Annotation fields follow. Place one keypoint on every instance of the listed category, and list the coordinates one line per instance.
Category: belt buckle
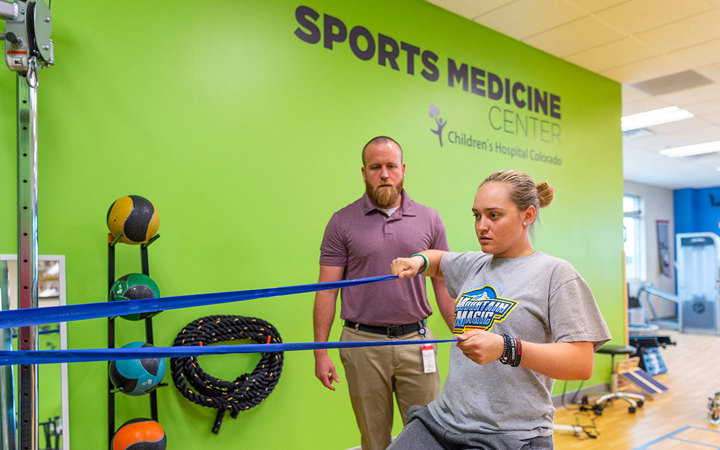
(390, 332)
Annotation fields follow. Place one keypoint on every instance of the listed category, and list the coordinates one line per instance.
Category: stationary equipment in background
(648, 309)
(648, 352)
(714, 409)
(698, 264)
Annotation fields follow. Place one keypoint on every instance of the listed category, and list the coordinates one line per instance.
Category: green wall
(247, 138)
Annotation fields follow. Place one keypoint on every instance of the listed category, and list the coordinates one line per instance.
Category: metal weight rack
(144, 260)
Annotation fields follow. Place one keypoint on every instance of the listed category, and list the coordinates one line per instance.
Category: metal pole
(8, 438)
(27, 258)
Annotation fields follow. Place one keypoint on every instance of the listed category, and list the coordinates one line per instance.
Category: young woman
(524, 319)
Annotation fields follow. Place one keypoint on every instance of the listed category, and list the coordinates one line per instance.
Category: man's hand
(325, 370)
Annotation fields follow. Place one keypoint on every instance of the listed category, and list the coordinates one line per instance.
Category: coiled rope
(247, 390)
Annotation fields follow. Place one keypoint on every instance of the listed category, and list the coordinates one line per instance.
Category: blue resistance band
(8, 358)
(52, 314)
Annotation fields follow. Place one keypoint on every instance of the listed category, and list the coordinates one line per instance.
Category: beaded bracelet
(427, 263)
(505, 357)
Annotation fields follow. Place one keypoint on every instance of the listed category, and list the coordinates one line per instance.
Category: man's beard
(384, 197)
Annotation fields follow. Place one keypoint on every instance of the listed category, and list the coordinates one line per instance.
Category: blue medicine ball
(137, 376)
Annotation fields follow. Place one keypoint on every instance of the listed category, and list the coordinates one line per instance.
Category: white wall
(658, 205)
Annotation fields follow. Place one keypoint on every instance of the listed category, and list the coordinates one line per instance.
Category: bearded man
(361, 240)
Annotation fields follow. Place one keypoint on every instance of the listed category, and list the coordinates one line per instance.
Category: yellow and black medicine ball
(135, 217)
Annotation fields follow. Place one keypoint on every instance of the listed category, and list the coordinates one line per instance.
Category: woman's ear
(529, 215)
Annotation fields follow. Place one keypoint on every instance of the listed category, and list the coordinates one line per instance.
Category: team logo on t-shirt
(480, 309)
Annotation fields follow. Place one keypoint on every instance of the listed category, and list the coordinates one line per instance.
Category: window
(634, 238)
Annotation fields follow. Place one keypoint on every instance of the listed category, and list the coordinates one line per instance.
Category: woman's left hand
(481, 346)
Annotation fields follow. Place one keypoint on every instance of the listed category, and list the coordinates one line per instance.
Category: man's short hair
(381, 140)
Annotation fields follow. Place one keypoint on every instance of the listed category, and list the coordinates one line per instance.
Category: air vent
(672, 83)
(637, 133)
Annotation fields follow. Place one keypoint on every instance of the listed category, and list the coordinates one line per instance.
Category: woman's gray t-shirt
(536, 298)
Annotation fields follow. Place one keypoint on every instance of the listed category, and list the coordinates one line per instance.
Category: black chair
(635, 400)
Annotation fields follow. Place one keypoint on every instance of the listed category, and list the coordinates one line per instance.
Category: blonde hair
(525, 193)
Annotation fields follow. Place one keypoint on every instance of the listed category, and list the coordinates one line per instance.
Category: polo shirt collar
(407, 205)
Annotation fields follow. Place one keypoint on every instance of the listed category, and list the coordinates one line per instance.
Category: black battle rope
(247, 390)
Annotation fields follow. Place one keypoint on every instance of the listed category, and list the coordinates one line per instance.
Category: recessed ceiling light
(654, 117)
(691, 150)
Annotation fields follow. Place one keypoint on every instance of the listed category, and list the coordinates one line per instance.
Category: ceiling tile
(654, 143)
(641, 70)
(711, 71)
(574, 37)
(591, 6)
(697, 136)
(642, 106)
(689, 96)
(469, 8)
(614, 54)
(672, 173)
(696, 56)
(703, 108)
(713, 117)
(525, 18)
(630, 94)
(684, 33)
(641, 15)
(679, 127)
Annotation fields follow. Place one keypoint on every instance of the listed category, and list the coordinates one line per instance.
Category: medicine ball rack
(144, 261)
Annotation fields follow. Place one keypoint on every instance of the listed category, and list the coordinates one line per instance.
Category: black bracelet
(512, 351)
(518, 353)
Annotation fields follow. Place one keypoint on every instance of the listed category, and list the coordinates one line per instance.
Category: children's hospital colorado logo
(435, 113)
(540, 130)
(480, 309)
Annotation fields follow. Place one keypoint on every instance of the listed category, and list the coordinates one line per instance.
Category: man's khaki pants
(374, 373)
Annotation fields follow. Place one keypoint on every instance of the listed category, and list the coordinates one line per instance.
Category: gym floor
(677, 419)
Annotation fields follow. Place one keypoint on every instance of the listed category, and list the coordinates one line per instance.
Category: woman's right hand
(407, 267)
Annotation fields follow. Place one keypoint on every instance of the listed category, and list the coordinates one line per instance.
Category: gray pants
(422, 431)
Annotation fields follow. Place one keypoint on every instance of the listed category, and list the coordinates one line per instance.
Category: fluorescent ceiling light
(691, 150)
(654, 117)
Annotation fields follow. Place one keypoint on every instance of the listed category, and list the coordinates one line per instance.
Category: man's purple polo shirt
(364, 240)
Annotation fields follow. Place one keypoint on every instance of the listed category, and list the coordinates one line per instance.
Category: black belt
(389, 331)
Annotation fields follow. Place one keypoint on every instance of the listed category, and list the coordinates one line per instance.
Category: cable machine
(28, 48)
(698, 274)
